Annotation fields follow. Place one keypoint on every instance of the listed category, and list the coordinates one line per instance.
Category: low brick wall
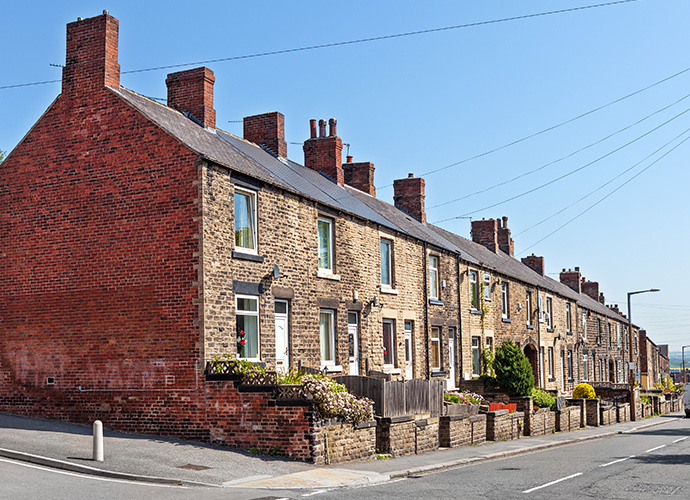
(568, 418)
(426, 435)
(502, 425)
(462, 430)
(607, 415)
(542, 422)
(623, 413)
(395, 435)
(592, 412)
(344, 443)
(579, 403)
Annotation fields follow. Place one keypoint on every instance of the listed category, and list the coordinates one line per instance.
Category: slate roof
(247, 158)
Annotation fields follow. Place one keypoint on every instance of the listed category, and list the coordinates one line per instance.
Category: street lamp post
(631, 376)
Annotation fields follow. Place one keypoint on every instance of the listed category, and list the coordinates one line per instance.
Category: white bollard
(98, 441)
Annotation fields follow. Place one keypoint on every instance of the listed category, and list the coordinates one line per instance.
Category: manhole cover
(655, 489)
(193, 467)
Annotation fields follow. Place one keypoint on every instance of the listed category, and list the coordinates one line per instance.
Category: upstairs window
(584, 325)
(486, 287)
(504, 300)
(474, 290)
(540, 308)
(387, 263)
(568, 318)
(600, 331)
(528, 308)
(549, 312)
(245, 220)
(326, 245)
(433, 277)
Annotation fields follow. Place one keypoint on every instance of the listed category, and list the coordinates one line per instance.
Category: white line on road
(681, 439)
(616, 461)
(552, 483)
(657, 448)
(314, 493)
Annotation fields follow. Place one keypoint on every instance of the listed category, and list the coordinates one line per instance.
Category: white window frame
(330, 244)
(433, 277)
(568, 318)
(528, 307)
(474, 289)
(570, 364)
(486, 286)
(331, 335)
(504, 300)
(585, 367)
(475, 349)
(435, 345)
(255, 314)
(549, 312)
(584, 324)
(540, 307)
(618, 334)
(388, 263)
(252, 200)
(551, 363)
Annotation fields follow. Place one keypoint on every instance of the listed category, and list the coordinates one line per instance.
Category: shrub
(543, 399)
(584, 391)
(513, 371)
(332, 400)
(468, 398)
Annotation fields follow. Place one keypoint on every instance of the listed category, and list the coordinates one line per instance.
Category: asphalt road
(645, 464)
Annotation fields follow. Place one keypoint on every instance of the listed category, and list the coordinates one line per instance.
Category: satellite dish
(276, 272)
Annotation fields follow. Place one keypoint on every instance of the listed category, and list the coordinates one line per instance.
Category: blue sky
(420, 103)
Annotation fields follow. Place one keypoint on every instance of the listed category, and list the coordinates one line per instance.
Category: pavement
(157, 459)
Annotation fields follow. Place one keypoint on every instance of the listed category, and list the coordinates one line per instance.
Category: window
(618, 335)
(245, 220)
(551, 367)
(528, 308)
(435, 348)
(389, 342)
(549, 312)
(247, 319)
(599, 331)
(433, 277)
(610, 336)
(325, 245)
(585, 367)
(489, 343)
(602, 375)
(568, 318)
(570, 365)
(504, 300)
(474, 290)
(387, 263)
(486, 288)
(475, 356)
(584, 325)
(540, 308)
(327, 336)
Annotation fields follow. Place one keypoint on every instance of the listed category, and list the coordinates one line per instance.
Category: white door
(408, 350)
(282, 340)
(451, 358)
(353, 342)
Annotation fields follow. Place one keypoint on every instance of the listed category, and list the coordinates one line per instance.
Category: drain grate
(655, 489)
(193, 467)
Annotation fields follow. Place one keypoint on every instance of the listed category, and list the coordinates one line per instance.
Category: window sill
(239, 254)
(436, 302)
(327, 275)
(332, 368)
(476, 311)
(568, 333)
(435, 372)
(387, 289)
(389, 369)
(550, 330)
(530, 327)
(506, 320)
(552, 379)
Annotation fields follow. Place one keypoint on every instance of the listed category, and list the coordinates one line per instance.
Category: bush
(543, 399)
(513, 371)
(468, 398)
(584, 391)
(332, 400)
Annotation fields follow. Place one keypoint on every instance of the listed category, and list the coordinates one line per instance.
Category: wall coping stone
(395, 420)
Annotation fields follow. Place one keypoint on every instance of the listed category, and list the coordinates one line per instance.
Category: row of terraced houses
(140, 241)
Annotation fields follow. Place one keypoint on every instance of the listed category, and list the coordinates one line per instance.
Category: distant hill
(676, 359)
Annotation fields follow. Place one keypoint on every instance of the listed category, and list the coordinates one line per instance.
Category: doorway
(533, 358)
(282, 336)
(353, 342)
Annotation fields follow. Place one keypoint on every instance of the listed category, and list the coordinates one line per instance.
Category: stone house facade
(141, 241)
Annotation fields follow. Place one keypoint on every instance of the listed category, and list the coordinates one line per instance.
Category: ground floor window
(570, 365)
(247, 319)
(327, 336)
(435, 348)
(476, 368)
(388, 342)
(585, 367)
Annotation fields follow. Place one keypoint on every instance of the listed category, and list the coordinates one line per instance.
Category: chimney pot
(324, 154)
(312, 129)
(322, 128)
(410, 175)
(332, 123)
(349, 158)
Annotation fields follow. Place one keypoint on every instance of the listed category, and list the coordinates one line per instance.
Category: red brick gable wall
(98, 272)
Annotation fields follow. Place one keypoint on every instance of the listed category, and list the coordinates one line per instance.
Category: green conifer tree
(513, 371)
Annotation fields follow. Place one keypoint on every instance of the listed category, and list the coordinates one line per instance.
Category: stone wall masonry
(478, 423)
(395, 435)
(579, 403)
(568, 419)
(455, 431)
(542, 422)
(502, 425)
(346, 443)
(426, 435)
(623, 412)
(607, 415)
(592, 412)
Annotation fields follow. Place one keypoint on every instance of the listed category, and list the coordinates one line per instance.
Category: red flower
(242, 333)
(242, 342)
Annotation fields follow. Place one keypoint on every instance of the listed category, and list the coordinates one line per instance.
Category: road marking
(681, 439)
(657, 448)
(87, 476)
(552, 483)
(314, 493)
(616, 461)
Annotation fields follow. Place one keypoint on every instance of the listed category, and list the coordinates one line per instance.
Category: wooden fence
(397, 398)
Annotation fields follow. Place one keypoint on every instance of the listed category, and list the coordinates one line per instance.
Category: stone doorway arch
(533, 358)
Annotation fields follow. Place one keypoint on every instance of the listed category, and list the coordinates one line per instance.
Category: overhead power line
(352, 42)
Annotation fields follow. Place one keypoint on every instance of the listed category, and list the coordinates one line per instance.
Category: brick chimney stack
(191, 92)
(505, 242)
(267, 130)
(360, 175)
(535, 263)
(408, 196)
(572, 279)
(324, 153)
(591, 288)
(91, 61)
(485, 232)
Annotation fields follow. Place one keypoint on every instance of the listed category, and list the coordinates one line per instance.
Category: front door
(353, 342)
(282, 339)
(451, 358)
(408, 350)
